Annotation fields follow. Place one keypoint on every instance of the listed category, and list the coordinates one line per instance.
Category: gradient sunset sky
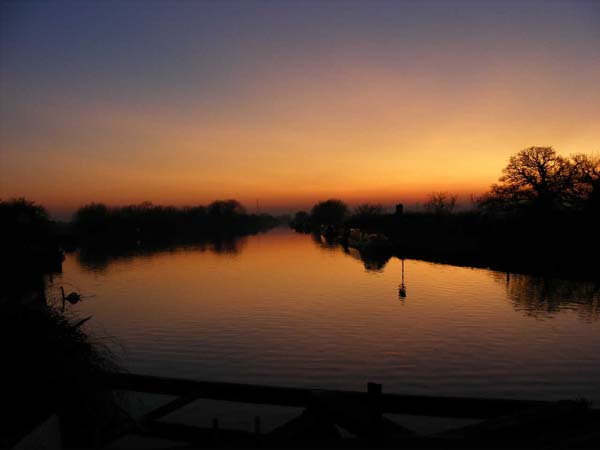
(287, 102)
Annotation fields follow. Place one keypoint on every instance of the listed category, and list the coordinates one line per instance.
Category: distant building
(399, 209)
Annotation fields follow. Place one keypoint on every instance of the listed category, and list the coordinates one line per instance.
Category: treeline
(541, 216)
(30, 236)
(147, 222)
(33, 244)
(538, 181)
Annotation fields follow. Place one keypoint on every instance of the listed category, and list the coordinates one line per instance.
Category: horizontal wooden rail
(419, 405)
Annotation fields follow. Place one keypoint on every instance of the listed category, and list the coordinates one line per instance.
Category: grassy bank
(554, 244)
(560, 244)
(51, 366)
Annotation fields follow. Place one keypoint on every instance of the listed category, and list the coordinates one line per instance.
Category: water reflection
(402, 287)
(539, 296)
(99, 258)
(374, 260)
(327, 242)
(291, 310)
(533, 295)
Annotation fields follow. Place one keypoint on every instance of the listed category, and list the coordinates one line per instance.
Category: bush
(52, 366)
(329, 212)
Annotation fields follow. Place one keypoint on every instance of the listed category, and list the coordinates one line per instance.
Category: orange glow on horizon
(365, 111)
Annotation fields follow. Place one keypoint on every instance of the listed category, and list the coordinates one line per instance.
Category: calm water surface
(283, 308)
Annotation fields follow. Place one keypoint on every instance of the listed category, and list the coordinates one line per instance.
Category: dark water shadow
(372, 260)
(544, 297)
(538, 296)
(99, 258)
(325, 242)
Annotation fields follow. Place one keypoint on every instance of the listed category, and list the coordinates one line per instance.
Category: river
(289, 309)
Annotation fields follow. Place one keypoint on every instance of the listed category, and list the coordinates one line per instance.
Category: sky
(287, 102)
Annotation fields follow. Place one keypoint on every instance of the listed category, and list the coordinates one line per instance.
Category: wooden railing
(509, 422)
(419, 405)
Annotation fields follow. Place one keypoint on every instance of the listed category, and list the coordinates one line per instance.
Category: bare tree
(368, 210)
(585, 189)
(536, 177)
(441, 203)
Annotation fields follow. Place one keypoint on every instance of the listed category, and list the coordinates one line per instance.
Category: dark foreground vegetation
(51, 367)
(542, 217)
(29, 241)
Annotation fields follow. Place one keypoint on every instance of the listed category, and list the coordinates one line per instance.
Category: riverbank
(50, 364)
(558, 245)
(53, 367)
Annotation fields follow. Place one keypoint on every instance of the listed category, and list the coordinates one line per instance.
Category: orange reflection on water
(288, 310)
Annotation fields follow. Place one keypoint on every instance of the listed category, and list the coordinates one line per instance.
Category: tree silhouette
(92, 217)
(27, 230)
(536, 177)
(329, 212)
(585, 189)
(226, 208)
(368, 211)
(301, 221)
(441, 203)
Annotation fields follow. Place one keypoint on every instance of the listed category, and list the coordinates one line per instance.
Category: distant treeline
(542, 216)
(32, 243)
(28, 231)
(147, 222)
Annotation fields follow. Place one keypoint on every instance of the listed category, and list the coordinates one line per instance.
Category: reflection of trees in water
(222, 245)
(536, 296)
(98, 258)
(326, 242)
(540, 296)
(372, 260)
